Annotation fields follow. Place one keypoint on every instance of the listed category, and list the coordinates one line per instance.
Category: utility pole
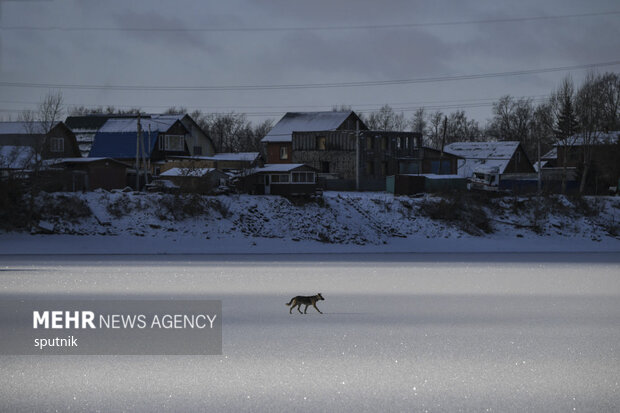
(148, 160)
(142, 150)
(539, 168)
(138, 154)
(357, 155)
(443, 142)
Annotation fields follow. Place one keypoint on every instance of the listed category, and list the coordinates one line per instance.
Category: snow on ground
(345, 222)
(401, 332)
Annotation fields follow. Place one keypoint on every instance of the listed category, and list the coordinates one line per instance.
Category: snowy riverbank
(131, 223)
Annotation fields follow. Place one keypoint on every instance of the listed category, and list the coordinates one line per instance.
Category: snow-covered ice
(401, 332)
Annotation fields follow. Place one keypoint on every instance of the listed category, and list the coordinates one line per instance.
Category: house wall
(519, 162)
(379, 153)
(273, 152)
(197, 138)
(43, 143)
(161, 154)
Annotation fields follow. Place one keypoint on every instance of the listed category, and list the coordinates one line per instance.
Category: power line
(289, 107)
(435, 79)
(309, 28)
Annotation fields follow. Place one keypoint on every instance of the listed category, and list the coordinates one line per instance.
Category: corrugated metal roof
(120, 145)
(305, 122)
(158, 124)
(482, 156)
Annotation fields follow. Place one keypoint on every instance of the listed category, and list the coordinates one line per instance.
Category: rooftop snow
(305, 122)
(158, 124)
(482, 156)
(191, 172)
(278, 167)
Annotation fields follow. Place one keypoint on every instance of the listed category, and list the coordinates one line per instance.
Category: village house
(85, 128)
(195, 179)
(280, 179)
(87, 174)
(495, 165)
(57, 142)
(279, 140)
(603, 151)
(228, 162)
(161, 138)
(346, 154)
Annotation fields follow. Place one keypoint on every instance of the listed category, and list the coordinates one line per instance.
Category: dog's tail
(290, 302)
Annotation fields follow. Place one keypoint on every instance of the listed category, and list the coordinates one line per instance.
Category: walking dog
(299, 300)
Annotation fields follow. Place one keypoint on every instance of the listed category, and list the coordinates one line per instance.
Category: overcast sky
(143, 43)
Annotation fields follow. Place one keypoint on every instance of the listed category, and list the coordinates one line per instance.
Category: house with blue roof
(161, 138)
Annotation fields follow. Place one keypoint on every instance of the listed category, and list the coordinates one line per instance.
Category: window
(57, 145)
(398, 143)
(325, 167)
(440, 167)
(321, 143)
(175, 143)
(283, 152)
(303, 177)
(384, 143)
(280, 179)
(370, 168)
(368, 142)
(384, 168)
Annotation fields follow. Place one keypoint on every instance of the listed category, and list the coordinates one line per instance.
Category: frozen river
(401, 332)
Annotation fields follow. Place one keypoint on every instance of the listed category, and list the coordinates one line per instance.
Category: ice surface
(401, 332)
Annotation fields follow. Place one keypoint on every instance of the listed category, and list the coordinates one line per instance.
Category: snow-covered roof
(238, 156)
(482, 156)
(305, 122)
(22, 128)
(552, 154)
(158, 124)
(16, 157)
(192, 172)
(278, 167)
(229, 156)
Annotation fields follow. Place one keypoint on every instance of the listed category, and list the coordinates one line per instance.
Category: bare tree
(386, 119)
(418, 122)
(435, 133)
(513, 120)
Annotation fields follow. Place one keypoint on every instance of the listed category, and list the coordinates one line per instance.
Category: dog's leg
(292, 306)
(299, 308)
(306, 309)
(317, 308)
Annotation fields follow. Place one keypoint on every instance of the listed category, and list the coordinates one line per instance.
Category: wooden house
(161, 139)
(281, 179)
(47, 142)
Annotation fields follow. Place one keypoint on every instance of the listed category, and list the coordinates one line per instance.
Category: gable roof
(130, 125)
(305, 122)
(483, 156)
(281, 167)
